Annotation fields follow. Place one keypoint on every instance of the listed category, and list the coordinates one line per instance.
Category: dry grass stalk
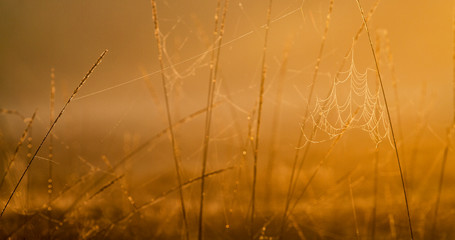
(323, 160)
(51, 154)
(258, 123)
(18, 146)
(29, 181)
(434, 233)
(356, 38)
(169, 118)
(389, 118)
(103, 188)
(158, 199)
(215, 56)
(391, 66)
(126, 158)
(52, 127)
(295, 174)
(125, 190)
(306, 147)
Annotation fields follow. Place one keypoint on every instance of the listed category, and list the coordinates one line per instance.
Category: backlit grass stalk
(106, 186)
(235, 198)
(294, 177)
(434, 233)
(163, 132)
(356, 38)
(52, 127)
(323, 160)
(51, 155)
(215, 56)
(258, 123)
(124, 189)
(159, 198)
(308, 144)
(65, 190)
(29, 180)
(169, 118)
(389, 118)
(18, 146)
(133, 153)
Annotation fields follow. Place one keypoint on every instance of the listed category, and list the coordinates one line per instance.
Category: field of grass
(227, 119)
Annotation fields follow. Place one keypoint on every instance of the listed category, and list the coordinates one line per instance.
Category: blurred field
(107, 169)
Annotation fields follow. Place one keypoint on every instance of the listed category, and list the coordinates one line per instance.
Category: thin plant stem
(294, 174)
(258, 123)
(434, 234)
(18, 146)
(323, 161)
(29, 180)
(52, 127)
(389, 118)
(51, 155)
(159, 198)
(210, 98)
(169, 118)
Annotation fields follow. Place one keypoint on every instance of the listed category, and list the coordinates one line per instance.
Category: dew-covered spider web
(354, 102)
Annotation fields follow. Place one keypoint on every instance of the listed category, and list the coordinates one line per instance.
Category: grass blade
(389, 118)
(52, 127)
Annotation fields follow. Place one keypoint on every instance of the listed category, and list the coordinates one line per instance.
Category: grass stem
(52, 127)
(389, 118)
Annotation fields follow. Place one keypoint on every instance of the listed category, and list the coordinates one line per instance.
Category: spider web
(352, 103)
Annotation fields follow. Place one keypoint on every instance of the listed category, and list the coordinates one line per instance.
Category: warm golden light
(227, 119)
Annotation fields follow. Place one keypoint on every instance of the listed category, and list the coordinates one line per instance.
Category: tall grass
(50, 184)
(389, 118)
(296, 168)
(323, 161)
(29, 155)
(258, 122)
(214, 62)
(434, 233)
(346, 191)
(156, 200)
(294, 171)
(169, 119)
(18, 146)
(98, 61)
